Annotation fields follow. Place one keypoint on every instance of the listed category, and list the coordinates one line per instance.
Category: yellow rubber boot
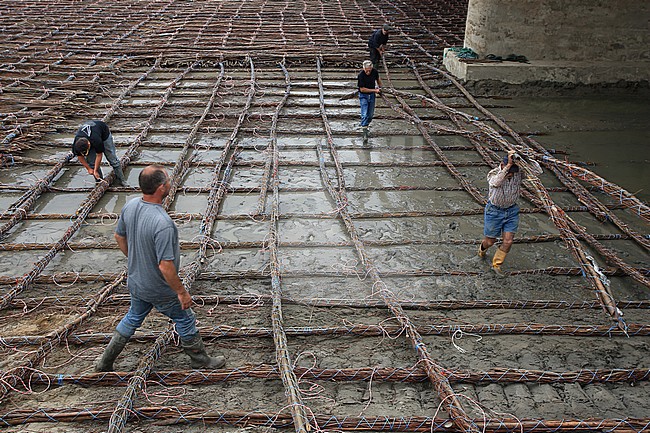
(498, 259)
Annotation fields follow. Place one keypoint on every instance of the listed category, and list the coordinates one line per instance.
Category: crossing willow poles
(435, 372)
(565, 225)
(594, 206)
(93, 198)
(614, 191)
(123, 410)
(27, 200)
(55, 337)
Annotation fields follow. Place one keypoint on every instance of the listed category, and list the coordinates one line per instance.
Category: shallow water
(611, 132)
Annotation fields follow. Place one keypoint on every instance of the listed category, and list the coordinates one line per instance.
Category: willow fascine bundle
(360, 330)
(378, 374)
(179, 415)
(188, 245)
(259, 301)
(73, 277)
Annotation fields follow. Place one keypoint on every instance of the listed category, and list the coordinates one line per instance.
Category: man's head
(152, 178)
(514, 168)
(367, 66)
(82, 146)
(386, 29)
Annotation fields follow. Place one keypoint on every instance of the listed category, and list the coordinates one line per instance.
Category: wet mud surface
(389, 258)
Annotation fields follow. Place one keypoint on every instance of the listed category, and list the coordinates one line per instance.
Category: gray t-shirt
(152, 236)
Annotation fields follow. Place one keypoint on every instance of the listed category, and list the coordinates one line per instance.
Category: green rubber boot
(111, 352)
(195, 349)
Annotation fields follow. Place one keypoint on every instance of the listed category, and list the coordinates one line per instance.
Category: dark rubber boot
(111, 352)
(194, 348)
(119, 176)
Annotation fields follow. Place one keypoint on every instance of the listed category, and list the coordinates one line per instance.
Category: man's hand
(377, 90)
(168, 269)
(511, 154)
(90, 171)
(185, 299)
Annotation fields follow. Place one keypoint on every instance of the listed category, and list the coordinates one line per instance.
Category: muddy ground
(419, 229)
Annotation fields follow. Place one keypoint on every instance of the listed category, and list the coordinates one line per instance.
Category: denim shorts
(498, 220)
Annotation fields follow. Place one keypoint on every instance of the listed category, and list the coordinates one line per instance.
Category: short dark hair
(151, 178)
(81, 145)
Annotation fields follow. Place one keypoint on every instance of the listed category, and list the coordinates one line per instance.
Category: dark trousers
(375, 57)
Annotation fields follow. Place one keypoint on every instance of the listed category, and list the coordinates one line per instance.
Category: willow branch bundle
(182, 164)
(192, 245)
(261, 300)
(283, 359)
(72, 277)
(124, 407)
(176, 415)
(359, 330)
(306, 215)
(376, 374)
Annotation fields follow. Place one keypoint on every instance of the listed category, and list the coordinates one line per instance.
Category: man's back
(95, 131)
(377, 39)
(151, 236)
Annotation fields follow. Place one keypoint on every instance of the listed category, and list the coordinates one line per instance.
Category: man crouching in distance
(94, 139)
(501, 215)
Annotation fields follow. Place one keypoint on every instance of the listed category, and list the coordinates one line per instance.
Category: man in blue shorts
(149, 238)
(501, 215)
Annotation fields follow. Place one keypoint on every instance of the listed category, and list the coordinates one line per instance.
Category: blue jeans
(139, 309)
(498, 220)
(367, 102)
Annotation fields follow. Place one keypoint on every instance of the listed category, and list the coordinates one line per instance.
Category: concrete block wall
(564, 30)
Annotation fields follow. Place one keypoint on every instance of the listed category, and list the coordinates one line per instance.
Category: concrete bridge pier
(565, 41)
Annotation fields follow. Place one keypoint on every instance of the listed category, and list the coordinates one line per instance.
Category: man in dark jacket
(377, 44)
(92, 141)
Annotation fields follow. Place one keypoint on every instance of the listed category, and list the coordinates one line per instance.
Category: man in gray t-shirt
(149, 238)
(157, 241)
